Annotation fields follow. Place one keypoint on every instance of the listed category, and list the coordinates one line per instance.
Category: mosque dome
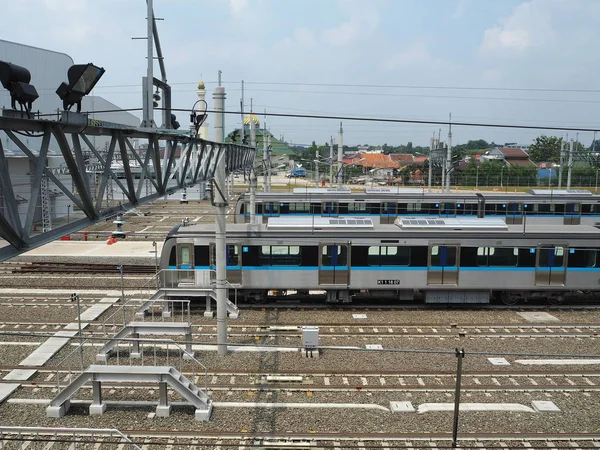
(201, 85)
(251, 118)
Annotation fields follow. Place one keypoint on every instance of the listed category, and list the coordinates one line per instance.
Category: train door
(329, 209)
(389, 212)
(442, 265)
(447, 209)
(185, 262)
(550, 268)
(334, 264)
(572, 214)
(232, 261)
(514, 213)
(270, 209)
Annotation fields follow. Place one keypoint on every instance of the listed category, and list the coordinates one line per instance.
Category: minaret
(201, 109)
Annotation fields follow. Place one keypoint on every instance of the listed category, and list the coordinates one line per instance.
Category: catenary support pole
(252, 171)
(220, 203)
(149, 80)
(340, 156)
(429, 174)
(570, 164)
(460, 354)
(449, 156)
(264, 158)
(561, 162)
(331, 161)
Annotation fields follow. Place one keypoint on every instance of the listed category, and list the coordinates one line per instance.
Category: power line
(378, 119)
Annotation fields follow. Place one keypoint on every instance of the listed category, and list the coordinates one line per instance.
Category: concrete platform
(96, 249)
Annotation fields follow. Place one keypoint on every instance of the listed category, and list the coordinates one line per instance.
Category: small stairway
(163, 375)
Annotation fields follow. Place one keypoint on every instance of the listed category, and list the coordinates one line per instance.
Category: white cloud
(416, 54)
(461, 9)
(364, 19)
(304, 36)
(238, 8)
(529, 26)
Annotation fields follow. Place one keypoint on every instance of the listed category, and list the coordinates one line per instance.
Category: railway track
(9, 267)
(251, 440)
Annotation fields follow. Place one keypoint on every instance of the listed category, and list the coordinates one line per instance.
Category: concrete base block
(135, 355)
(188, 355)
(97, 409)
(209, 314)
(166, 314)
(163, 411)
(140, 315)
(58, 411)
(234, 315)
(203, 415)
(101, 357)
(314, 354)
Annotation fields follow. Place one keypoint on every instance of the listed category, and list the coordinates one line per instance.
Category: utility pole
(148, 82)
(252, 171)
(449, 155)
(431, 143)
(561, 162)
(269, 162)
(242, 113)
(340, 178)
(570, 164)
(220, 203)
(265, 187)
(330, 161)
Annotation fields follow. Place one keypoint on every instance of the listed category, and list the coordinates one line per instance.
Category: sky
(493, 62)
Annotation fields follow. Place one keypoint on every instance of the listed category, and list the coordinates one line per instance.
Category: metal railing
(83, 437)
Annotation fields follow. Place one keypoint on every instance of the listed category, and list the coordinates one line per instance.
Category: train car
(568, 207)
(442, 260)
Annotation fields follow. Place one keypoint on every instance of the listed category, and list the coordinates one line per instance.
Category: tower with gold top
(201, 108)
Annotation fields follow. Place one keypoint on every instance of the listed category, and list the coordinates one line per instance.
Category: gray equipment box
(310, 337)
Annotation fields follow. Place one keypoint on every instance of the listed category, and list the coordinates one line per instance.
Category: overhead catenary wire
(380, 120)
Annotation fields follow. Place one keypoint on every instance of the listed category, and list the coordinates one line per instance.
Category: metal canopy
(332, 190)
(277, 223)
(558, 192)
(81, 177)
(413, 223)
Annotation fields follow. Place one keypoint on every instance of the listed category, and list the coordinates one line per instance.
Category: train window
(388, 256)
(583, 257)
(184, 256)
(413, 207)
(551, 257)
(299, 207)
(334, 255)
(232, 255)
(546, 208)
(357, 207)
(201, 255)
(442, 255)
(270, 208)
(280, 255)
(497, 256)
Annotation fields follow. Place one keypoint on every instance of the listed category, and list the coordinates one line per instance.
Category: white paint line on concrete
(544, 406)
(402, 407)
(538, 316)
(499, 361)
(541, 362)
(437, 407)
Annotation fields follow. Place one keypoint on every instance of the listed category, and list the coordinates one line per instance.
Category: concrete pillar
(98, 406)
(570, 164)
(163, 409)
(135, 352)
(220, 203)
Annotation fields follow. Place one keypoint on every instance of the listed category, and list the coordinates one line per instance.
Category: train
(568, 207)
(431, 260)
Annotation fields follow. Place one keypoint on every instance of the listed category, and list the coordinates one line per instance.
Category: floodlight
(82, 79)
(174, 124)
(16, 80)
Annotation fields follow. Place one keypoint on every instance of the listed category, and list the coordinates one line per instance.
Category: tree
(409, 146)
(545, 149)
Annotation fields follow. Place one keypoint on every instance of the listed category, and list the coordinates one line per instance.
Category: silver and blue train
(435, 260)
(383, 205)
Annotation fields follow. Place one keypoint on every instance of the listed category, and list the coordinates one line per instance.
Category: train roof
(421, 194)
(403, 228)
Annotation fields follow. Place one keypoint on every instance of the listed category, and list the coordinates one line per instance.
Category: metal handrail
(65, 431)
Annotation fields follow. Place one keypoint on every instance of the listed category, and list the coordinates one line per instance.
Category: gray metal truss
(186, 161)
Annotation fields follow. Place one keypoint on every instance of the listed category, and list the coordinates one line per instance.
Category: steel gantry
(170, 160)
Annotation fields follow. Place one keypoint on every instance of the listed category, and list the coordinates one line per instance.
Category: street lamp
(68, 213)
(342, 164)
(597, 170)
(477, 180)
(501, 174)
